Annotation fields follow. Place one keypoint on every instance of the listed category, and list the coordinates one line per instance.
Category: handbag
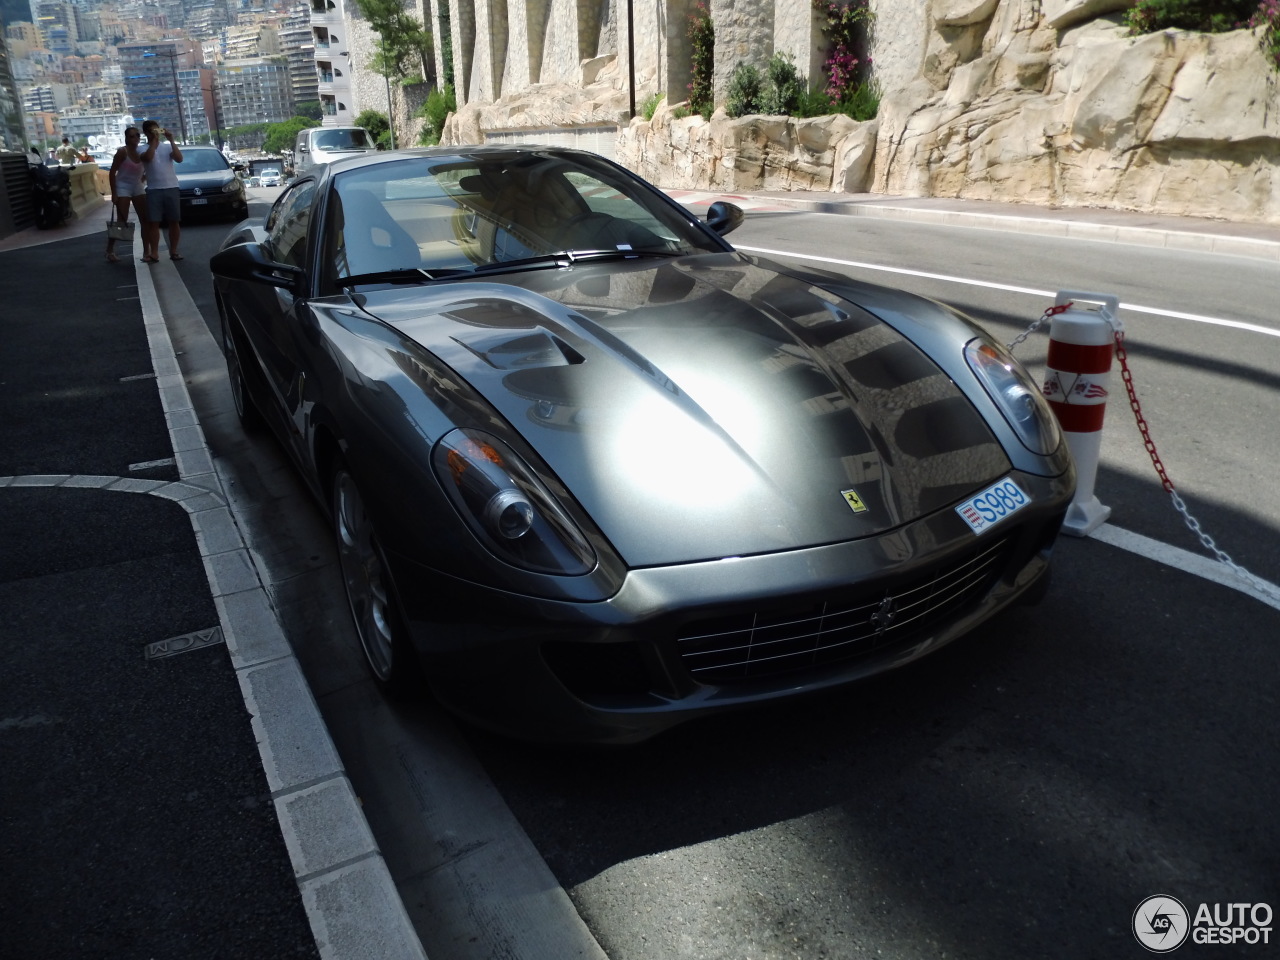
(119, 229)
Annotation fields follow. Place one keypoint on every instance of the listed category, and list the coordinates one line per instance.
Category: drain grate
(183, 644)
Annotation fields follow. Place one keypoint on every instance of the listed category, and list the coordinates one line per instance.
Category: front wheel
(370, 594)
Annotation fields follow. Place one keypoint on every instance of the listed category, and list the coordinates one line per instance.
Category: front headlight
(1015, 393)
(507, 506)
(232, 186)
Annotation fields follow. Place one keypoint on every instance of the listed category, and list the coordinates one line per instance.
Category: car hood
(709, 407)
(209, 179)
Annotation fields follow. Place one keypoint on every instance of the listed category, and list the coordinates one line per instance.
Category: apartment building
(254, 90)
(150, 73)
(330, 36)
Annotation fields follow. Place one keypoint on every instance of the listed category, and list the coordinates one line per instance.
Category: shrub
(1208, 16)
(703, 36)
(862, 102)
(651, 105)
(1268, 16)
(440, 103)
(743, 95)
(782, 86)
(813, 102)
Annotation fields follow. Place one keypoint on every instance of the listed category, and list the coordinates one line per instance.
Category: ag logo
(1161, 924)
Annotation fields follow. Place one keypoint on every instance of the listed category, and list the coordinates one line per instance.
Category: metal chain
(1178, 503)
(1047, 315)
(1257, 583)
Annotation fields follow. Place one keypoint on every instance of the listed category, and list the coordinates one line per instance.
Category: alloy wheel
(365, 577)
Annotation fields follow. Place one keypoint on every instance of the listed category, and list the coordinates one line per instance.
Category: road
(1016, 795)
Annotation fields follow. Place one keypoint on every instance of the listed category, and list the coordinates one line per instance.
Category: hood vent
(526, 351)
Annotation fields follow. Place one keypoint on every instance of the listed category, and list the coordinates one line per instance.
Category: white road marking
(1192, 563)
(1048, 294)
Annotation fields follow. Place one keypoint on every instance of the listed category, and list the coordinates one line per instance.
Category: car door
(279, 344)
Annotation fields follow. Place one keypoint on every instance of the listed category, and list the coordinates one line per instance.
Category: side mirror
(248, 261)
(303, 148)
(723, 217)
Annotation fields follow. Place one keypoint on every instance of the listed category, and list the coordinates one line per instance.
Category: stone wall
(1043, 101)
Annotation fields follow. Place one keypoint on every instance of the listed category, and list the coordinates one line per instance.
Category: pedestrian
(66, 153)
(162, 191)
(128, 186)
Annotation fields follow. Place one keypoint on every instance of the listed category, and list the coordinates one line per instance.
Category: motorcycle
(51, 194)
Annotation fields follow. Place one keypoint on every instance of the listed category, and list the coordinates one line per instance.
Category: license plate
(992, 505)
(196, 203)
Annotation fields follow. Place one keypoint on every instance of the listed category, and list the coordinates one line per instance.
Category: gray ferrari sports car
(594, 473)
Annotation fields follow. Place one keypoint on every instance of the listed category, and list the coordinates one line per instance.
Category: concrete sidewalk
(170, 789)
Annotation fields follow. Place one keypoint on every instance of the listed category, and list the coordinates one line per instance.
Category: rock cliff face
(1059, 106)
(1044, 101)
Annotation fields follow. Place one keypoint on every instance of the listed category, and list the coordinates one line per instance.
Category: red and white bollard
(1081, 344)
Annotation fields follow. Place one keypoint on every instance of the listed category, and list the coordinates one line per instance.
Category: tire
(246, 408)
(371, 595)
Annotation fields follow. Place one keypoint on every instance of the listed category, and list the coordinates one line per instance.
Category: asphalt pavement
(189, 803)
(168, 787)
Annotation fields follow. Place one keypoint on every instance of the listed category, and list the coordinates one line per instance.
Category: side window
(287, 225)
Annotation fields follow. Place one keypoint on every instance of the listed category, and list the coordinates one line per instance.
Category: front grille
(768, 643)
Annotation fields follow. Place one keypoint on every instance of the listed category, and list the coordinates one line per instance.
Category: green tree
(281, 136)
(309, 109)
(404, 44)
(375, 121)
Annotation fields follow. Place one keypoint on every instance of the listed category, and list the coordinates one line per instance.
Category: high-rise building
(12, 135)
(297, 45)
(255, 90)
(151, 78)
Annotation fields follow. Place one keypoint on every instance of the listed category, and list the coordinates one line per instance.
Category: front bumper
(682, 641)
(214, 204)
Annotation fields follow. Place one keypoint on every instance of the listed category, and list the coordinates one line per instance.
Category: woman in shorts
(128, 186)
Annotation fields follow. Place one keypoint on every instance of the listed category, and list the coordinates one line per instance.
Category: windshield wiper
(567, 258)
(404, 275)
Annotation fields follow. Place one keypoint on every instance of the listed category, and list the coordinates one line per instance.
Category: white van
(317, 145)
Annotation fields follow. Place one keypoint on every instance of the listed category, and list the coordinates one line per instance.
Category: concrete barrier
(85, 195)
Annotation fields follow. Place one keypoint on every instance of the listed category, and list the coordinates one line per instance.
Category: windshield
(450, 214)
(342, 140)
(201, 161)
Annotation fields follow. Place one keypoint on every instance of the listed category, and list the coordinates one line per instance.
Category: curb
(352, 903)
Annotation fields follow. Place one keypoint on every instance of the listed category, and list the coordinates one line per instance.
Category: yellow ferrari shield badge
(854, 501)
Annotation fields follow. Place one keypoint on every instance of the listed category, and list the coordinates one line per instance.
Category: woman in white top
(128, 186)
